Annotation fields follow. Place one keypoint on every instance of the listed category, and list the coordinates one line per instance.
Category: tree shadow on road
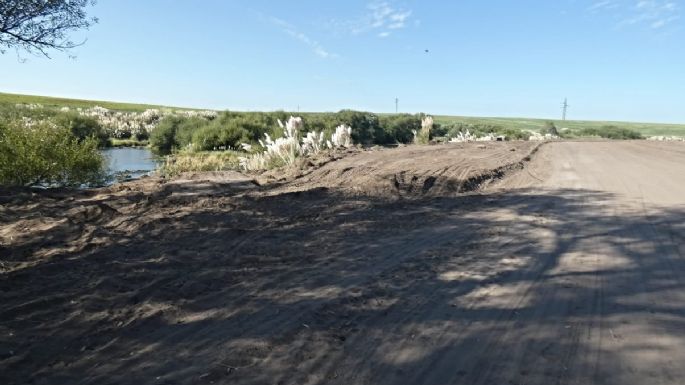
(322, 287)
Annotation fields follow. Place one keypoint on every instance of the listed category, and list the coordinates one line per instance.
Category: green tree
(163, 137)
(83, 127)
(45, 154)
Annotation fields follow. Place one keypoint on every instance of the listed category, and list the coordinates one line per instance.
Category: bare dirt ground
(388, 267)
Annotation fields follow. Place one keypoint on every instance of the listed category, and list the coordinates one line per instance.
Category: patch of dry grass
(199, 161)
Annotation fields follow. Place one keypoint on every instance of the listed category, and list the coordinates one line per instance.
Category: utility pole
(397, 103)
(565, 109)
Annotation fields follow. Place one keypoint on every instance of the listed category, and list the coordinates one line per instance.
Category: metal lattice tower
(565, 109)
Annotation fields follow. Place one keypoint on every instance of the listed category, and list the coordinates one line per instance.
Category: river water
(125, 163)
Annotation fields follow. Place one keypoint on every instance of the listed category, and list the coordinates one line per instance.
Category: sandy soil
(387, 267)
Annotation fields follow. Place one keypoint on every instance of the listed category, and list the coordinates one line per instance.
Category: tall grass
(284, 151)
(423, 136)
(199, 161)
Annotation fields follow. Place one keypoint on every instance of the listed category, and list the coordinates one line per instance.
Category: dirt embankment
(568, 270)
(406, 172)
(419, 171)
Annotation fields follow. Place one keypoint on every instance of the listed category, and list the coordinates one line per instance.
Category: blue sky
(613, 59)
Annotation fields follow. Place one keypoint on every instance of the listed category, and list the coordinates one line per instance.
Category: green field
(52, 102)
(646, 129)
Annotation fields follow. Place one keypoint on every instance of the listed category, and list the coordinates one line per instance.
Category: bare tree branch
(39, 26)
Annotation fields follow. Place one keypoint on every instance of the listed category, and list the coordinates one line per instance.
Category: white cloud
(314, 45)
(382, 16)
(657, 14)
(654, 14)
(603, 5)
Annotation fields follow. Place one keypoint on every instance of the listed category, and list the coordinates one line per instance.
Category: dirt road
(570, 270)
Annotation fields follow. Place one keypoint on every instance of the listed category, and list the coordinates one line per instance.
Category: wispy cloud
(656, 14)
(381, 17)
(293, 32)
(653, 14)
(603, 5)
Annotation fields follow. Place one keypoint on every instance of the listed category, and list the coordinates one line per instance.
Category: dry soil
(508, 264)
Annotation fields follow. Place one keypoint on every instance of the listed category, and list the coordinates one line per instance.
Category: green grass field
(646, 129)
(52, 102)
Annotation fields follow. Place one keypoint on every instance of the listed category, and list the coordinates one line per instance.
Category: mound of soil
(418, 171)
(211, 277)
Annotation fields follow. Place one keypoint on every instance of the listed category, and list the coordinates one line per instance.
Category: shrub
(141, 136)
(163, 137)
(438, 130)
(220, 135)
(230, 129)
(48, 154)
(83, 127)
(482, 130)
(513, 134)
(400, 127)
(183, 138)
(227, 130)
(366, 128)
(611, 132)
(549, 128)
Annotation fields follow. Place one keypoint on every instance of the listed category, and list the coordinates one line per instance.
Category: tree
(49, 155)
(38, 26)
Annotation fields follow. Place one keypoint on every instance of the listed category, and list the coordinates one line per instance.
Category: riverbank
(128, 143)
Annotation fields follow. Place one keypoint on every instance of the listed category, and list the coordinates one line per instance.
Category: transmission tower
(564, 107)
(397, 104)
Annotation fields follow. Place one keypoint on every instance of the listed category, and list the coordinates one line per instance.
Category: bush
(163, 137)
(611, 132)
(219, 135)
(513, 134)
(400, 127)
(480, 130)
(83, 127)
(183, 138)
(549, 128)
(141, 136)
(439, 130)
(48, 154)
(253, 124)
(366, 128)
(230, 129)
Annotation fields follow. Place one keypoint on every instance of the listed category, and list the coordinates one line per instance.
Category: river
(126, 163)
